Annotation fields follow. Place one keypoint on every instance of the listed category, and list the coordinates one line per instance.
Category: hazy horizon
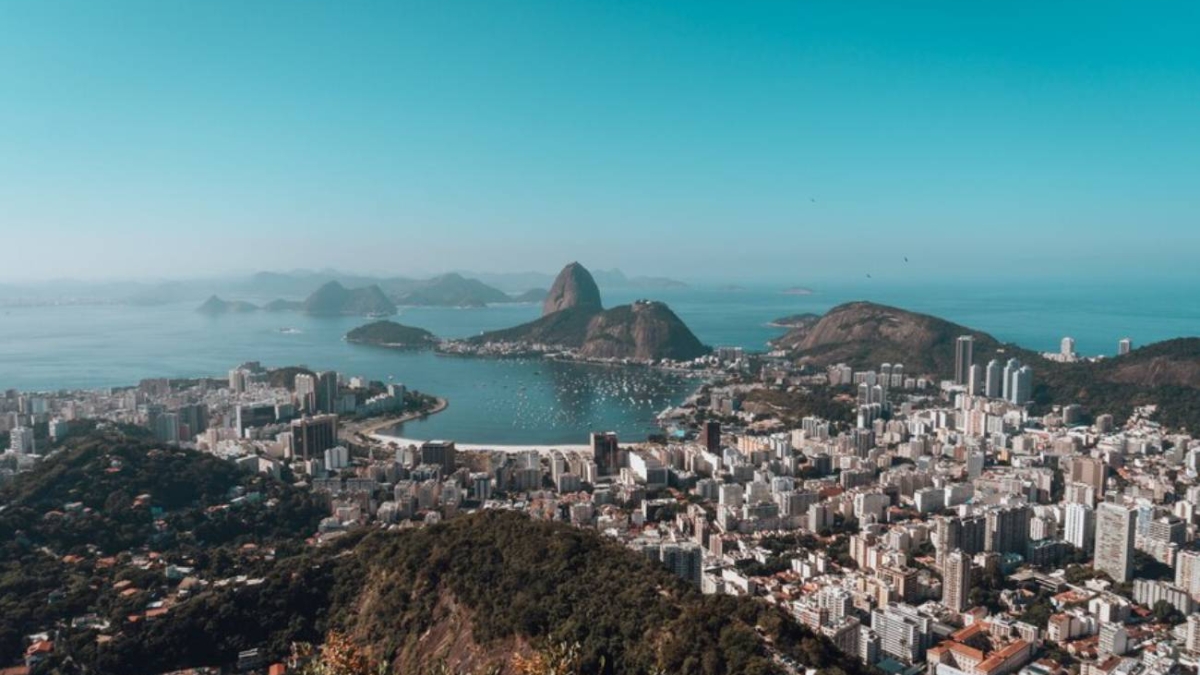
(784, 142)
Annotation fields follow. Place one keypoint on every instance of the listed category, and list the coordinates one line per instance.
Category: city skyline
(418, 139)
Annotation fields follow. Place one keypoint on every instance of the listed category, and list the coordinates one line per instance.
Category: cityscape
(933, 524)
(622, 338)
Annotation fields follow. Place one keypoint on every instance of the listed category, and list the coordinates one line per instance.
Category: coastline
(484, 447)
(370, 428)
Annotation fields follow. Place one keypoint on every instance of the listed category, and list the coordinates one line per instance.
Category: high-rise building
(710, 436)
(254, 415)
(994, 372)
(327, 391)
(20, 440)
(1022, 386)
(1010, 370)
(730, 495)
(1115, 533)
(956, 581)
(1114, 640)
(1080, 527)
(1088, 470)
(166, 427)
(975, 382)
(306, 393)
(440, 453)
(312, 436)
(1008, 529)
(1124, 347)
(1192, 643)
(685, 559)
(963, 353)
(238, 378)
(606, 452)
(194, 418)
(903, 633)
(1068, 348)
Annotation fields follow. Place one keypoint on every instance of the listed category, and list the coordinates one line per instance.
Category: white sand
(475, 447)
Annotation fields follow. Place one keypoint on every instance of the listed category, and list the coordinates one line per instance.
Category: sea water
(539, 402)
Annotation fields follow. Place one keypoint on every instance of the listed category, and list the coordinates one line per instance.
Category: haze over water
(530, 401)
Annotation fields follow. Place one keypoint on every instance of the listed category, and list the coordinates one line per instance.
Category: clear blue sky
(182, 138)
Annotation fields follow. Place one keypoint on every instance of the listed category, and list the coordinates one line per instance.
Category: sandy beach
(482, 447)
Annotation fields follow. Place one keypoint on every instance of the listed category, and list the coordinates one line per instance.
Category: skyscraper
(20, 440)
(1008, 529)
(306, 393)
(1068, 348)
(975, 381)
(994, 372)
(1088, 470)
(1022, 386)
(963, 353)
(903, 632)
(956, 584)
(1080, 528)
(327, 391)
(312, 436)
(1114, 540)
(441, 453)
(1010, 369)
(606, 453)
(710, 436)
(237, 380)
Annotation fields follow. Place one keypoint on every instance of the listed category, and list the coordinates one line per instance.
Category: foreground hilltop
(468, 596)
(864, 335)
(574, 318)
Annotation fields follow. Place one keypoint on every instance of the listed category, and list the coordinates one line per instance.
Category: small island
(215, 305)
(798, 290)
(392, 335)
(795, 320)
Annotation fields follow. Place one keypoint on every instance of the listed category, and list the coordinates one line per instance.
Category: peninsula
(574, 322)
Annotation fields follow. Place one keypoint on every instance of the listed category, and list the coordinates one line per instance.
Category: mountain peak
(574, 287)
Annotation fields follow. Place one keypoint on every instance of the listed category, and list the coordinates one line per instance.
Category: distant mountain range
(455, 289)
(331, 299)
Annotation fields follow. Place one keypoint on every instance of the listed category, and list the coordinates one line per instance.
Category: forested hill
(866, 335)
(470, 595)
(110, 511)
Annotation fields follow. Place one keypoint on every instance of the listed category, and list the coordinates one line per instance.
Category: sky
(756, 140)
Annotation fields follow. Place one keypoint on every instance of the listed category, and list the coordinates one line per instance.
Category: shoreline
(370, 428)
(485, 447)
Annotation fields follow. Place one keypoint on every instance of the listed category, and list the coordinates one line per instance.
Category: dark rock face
(644, 330)
(573, 288)
(573, 318)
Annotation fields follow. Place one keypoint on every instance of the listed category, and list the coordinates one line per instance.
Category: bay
(535, 402)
